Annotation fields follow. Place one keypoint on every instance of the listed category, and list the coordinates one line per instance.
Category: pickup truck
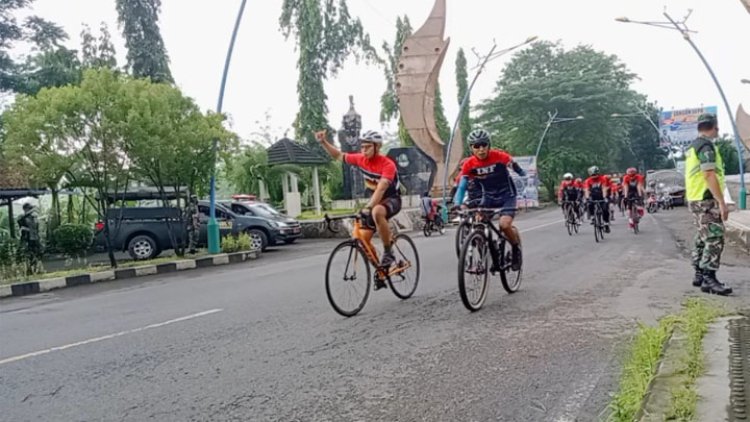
(144, 231)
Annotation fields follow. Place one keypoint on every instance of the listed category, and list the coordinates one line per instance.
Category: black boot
(698, 279)
(713, 286)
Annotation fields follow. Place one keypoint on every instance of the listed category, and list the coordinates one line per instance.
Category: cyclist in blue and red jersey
(381, 182)
(493, 187)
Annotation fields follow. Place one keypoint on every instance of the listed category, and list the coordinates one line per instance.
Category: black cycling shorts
(392, 207)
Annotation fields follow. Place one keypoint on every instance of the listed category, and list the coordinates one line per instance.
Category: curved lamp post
(682, 28)
(212, 230)
(490, 56)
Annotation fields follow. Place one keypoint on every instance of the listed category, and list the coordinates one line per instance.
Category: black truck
(144, 231)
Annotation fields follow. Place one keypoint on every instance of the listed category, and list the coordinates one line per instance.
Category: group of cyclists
(599, 187)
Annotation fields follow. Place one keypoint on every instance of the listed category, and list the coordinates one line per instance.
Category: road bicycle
(571, 216)
(599, 219)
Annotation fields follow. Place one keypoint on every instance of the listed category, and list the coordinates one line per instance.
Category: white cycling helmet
(372, 136)
(568, 176)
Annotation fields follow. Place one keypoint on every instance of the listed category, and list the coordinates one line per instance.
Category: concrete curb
(738, 233)
(39, 286)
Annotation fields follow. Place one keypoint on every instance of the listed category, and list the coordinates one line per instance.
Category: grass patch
(95, 268)
(311, 215)
(642, 362)
(640, 368)
(694, 321)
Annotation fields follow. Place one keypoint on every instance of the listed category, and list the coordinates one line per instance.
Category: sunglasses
(480, 145)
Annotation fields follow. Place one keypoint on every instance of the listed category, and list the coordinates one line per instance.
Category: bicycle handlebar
(328, 220)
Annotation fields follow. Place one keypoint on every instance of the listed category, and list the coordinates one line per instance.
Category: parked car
(144, 231)
(289, 229)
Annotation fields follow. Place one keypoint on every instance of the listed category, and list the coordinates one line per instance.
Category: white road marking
(540, 226)
(107, 337)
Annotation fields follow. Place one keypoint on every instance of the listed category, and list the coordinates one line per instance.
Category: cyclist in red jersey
(381, 182)
(633, 188)
(596, 188)
(570, 190)
(493, 186)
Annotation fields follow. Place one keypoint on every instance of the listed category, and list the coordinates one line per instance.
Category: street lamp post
(643, 113)
(683, 29)
(552, 120)
(490, 56)
(212, 230)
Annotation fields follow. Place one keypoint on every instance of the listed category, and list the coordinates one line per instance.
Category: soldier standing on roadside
(704, 183)
(193, 223)
(31, 247)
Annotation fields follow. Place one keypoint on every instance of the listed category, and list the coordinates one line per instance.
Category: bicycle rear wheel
(511, 280)
(404, 283)
(597, 224)
(347, 279)
(474, 271)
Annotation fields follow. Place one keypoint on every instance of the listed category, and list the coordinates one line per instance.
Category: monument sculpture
(349, 142)
(419, 66)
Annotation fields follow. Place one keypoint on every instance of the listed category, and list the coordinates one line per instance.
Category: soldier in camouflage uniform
(193, 223)
(31, 246)
(704, 183)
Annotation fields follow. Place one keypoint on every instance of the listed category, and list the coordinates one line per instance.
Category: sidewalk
(738, 227)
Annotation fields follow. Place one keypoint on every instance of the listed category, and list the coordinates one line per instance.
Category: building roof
(287, 151)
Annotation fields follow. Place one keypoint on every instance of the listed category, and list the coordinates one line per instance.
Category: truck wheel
(142, 247)
(258, 239)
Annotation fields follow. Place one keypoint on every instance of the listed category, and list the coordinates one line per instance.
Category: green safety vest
(695, 183)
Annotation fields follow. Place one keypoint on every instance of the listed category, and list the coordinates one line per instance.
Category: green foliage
(49, 64)
(12, 262)
(147, 55)
(443, 127)
(97, 52)
(581, 81)
(325, 35)
(462, 82)
(240, 243)
(73, 240)
(729, 154)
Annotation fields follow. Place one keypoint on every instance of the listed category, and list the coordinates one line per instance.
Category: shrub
(229, 244)
(244, 242)
(73, 240)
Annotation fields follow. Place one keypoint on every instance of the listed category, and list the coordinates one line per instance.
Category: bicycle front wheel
(405, 277)
(461, 234)
(347, 279)
(511, 280)
(474, 271)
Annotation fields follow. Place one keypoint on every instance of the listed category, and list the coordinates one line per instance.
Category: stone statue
(349, 141)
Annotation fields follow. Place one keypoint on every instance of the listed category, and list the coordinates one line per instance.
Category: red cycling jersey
(374, 169)
(568, 186)
(491, 173)
(596, 184)
(633, 180)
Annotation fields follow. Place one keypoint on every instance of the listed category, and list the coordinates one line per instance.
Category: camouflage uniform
(31, 247)
(709, 240)
(193, 225)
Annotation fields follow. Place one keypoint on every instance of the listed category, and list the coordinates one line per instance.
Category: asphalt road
(259, 341)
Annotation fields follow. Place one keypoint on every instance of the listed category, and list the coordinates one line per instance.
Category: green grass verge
(93, 269)
(639, 369)
(694, 322)
(643, 359)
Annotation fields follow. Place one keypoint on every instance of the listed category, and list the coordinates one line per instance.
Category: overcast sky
(263, 76)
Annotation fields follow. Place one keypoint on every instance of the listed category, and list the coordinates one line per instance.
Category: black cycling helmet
(478, 136)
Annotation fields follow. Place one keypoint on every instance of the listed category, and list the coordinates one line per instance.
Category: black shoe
(698, 279)
(713, 286)
(387, 260)
(606, 228)
(379, 284)
(516, 260)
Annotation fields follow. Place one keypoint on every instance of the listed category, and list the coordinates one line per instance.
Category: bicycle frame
(358, 236)
(484, 222)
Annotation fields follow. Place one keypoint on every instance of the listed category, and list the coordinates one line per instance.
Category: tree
(84, 123)
(729, 155)
(97, 52)
(50, 64)
(581, 81)
(326, 35)
(389, 101)
(147, 55)
(168, 141)
(462, 82)
(443, 127)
